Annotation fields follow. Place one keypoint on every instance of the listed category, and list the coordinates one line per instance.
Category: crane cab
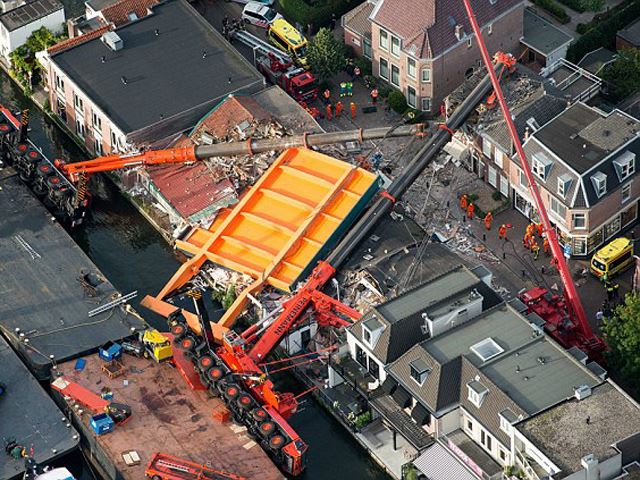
(285, 37)
(613, 258)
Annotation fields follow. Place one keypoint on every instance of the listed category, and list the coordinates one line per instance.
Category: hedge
(554, 9)
(584, 5)
(603, 34)
(397, 102)
(318, 14)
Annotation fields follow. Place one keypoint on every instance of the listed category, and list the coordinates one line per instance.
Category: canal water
(135, 257)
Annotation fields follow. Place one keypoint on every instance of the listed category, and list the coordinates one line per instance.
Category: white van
(259, 15)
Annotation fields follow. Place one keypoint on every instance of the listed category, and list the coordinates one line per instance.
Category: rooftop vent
(582, 392)
(487, 349)
(112, 40)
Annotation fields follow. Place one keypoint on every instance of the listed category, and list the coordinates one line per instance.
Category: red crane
(167, 467)
(572, 328)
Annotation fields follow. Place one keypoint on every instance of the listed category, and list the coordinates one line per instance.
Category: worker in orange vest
(329, 112)
(488, 218)
(327, 95)
(531, 230)
(374, 95)
(502, 232)
(353, 110)
(539, 228)
(526, 241)
(464, 202)
(470, 209)
(338, 109)
(546, 247)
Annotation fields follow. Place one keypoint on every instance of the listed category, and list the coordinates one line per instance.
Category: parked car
(267, 3)
(259, 15)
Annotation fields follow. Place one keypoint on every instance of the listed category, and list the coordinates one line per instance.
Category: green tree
(41, 39)
(624, 73)
(325, 54)
(622, 333)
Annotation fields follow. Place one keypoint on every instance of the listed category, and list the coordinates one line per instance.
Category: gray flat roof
(564, 436)
(98, 5)
(167, 78)
(631, 33)
(541, 35)
(428, 295)
(28, 13)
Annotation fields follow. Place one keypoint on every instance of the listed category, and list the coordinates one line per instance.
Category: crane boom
(576, 311)
(192, 154)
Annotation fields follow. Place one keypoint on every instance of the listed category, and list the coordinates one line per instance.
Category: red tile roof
(118, 13)
(229, 113)
(79, 40)
(427, 27)
(191, 189)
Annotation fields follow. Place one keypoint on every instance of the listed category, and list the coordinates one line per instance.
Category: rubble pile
(361, 290)
(519, 91)
(243, 170)
(220, 279)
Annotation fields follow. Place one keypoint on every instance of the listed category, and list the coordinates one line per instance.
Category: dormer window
(599, 181)
(564, 184)
(476, 392)
(625, 165)
(419, 371)
(541, 165)
(371, 330)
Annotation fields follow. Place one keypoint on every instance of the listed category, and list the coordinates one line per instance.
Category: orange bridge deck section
(294, 213)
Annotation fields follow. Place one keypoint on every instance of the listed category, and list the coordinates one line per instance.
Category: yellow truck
(156, 346)
(613, 258)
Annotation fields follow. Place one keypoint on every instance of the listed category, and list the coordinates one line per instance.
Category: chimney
(459, 31)
(591, 467)
(526, 134)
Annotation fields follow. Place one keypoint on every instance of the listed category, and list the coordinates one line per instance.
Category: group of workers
(469, 209)
(530, 243)
(330, 111)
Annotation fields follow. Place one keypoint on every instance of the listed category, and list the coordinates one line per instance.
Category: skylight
(487, 349)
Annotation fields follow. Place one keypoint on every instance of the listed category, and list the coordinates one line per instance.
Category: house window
(60, 83)
(522, 179)
(77, 101)
(503, 455)
(541, 165)
(96, 121)
(498, 157)
(469, 425)
(97, 145)
(579, 245)
(564, 183)
(504, 186)
(476, 392)
(411, 68)
(505, 425)
(493, 177)
(469, 42)
(366, 336)
(395, 75)
(599, 181)
(361, 357)
(114, 141)
(384, 69)
(579, 221)
(411, 96)
(558, 208)
(395, 46)
(625, 165)
(366, 48)
(80, 128)
(485, 439)
(419, 371)
(487, 148)
(426, 104)
(374, 368)
(626, 192)
(384, 40)
(426, 75)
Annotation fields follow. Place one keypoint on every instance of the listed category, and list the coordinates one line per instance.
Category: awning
(438, 464)
(389, 385)
(420, 414)
(402, 397)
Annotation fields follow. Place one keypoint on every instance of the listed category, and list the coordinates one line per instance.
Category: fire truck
(297, 82)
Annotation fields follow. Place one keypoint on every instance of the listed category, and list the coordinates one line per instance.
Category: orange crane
(565, 317)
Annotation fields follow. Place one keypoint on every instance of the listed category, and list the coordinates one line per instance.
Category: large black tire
(259, 414)
(245, 401)
(179, 331)
(205, 362)
(231, 391)
(187, 343)
(266, 428)
(276, 442)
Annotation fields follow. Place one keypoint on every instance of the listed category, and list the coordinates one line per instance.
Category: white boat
(56, 474)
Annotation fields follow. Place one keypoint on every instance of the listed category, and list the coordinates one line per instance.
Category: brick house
(585, 164)
(357, 28)
(425, 48)
(130, 86)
